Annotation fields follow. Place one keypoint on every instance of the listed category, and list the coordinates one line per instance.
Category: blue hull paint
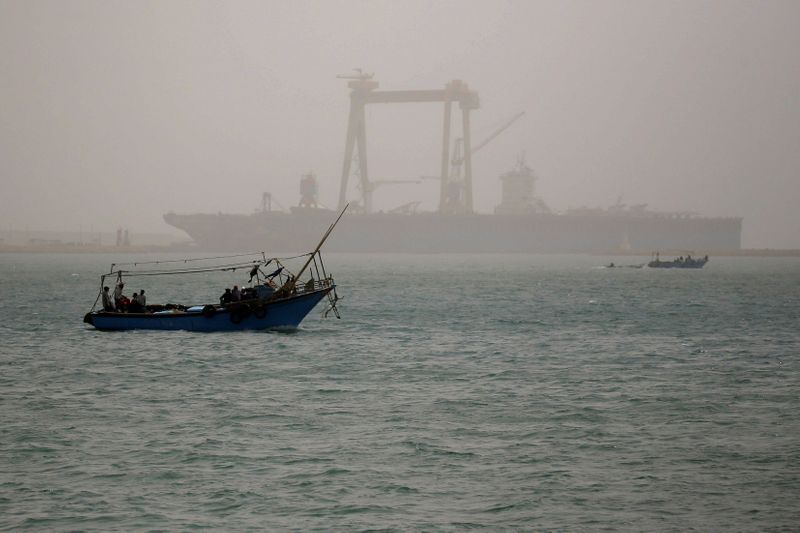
(286, 313)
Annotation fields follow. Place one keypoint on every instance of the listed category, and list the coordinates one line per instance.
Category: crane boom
(491, 137)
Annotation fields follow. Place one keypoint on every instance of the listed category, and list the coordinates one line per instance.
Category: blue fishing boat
(274, 297)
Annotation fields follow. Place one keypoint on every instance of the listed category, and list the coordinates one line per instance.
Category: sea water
(515, 392)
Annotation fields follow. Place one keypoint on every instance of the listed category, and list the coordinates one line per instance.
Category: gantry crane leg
(348, 150)
(467, 160)
(448, 104)
(361, 140)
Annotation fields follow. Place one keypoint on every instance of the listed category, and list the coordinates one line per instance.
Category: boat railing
(312, 285)
(308, 286)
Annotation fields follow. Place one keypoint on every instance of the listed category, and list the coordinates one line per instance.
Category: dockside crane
(363, 92)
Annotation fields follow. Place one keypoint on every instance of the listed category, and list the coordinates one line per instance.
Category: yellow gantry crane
(364, 91)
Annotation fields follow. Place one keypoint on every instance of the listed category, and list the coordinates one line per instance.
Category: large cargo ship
(431, 232)
(521, 223)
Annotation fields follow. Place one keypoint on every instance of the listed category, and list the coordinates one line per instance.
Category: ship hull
(434, 233)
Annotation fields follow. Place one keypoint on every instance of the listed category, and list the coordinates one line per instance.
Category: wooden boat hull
(284, 313)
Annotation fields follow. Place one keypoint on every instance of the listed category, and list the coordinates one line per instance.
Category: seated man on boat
(226, 298)
(135, 305)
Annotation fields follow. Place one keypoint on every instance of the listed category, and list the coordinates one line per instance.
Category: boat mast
(289, 285)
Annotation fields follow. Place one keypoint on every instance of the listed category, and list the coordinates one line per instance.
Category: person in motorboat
(142, 299)
(236, 294)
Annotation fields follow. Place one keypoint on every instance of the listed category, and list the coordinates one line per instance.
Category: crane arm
(491, 137)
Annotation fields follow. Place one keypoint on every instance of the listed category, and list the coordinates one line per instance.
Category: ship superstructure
(518, 196)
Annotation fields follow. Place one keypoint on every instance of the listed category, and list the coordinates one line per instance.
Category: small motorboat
(680, 262)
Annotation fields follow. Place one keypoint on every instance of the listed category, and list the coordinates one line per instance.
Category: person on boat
(135, 306)
(226, 297)
(142, 298)
(108, 301)
(254, 273)
(118, 296)
(236, 294)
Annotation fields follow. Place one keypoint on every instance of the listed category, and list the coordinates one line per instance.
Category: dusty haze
(113, 113)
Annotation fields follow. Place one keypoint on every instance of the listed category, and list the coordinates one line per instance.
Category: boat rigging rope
(215, 268)
(96, 299)
(264, 261)
(189, 260)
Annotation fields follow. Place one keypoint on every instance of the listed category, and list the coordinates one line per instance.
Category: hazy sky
(112, 113)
